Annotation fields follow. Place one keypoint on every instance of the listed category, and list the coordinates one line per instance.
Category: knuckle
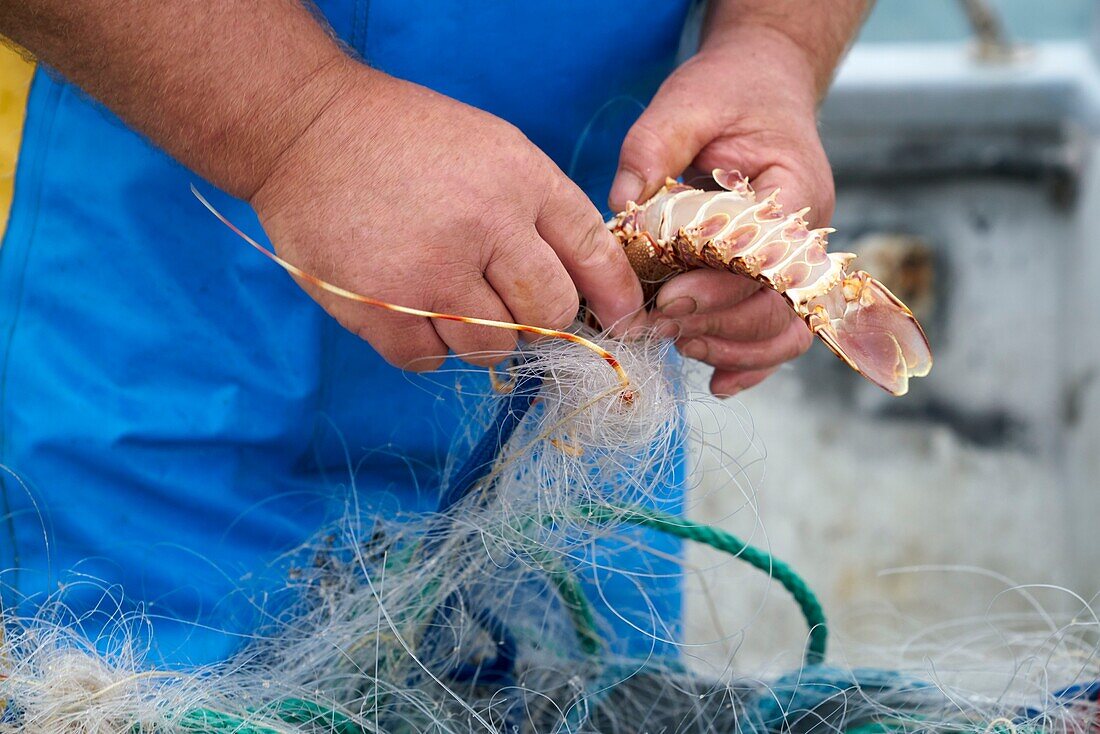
(720, 323)
(447, 290)
(777, 318)
(561, 307)
(491, 221)
(761, 318)
(594, 244)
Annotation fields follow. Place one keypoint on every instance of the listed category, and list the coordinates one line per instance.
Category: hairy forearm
(815, 32)
(224, 87)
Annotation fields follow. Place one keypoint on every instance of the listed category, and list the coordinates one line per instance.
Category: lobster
(682, 228)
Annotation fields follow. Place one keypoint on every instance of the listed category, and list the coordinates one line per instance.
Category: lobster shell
(682, 228)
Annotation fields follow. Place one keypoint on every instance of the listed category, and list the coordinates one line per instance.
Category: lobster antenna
(293, 269)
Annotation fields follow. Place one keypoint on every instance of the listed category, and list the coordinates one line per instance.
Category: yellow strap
(16, 71)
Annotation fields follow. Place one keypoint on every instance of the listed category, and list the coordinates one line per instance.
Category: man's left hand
(748, 106)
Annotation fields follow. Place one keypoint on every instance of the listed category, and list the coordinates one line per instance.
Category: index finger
(591, 255)
(702, 291)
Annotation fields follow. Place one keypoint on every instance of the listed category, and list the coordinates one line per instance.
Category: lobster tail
(856, 316)
(866, 325)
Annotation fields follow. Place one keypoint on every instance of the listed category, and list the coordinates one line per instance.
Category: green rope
(288, 711)
(208, 720)
(879, 727)
(569, 590)
(577, 606)
(301, 711)
(718, 539)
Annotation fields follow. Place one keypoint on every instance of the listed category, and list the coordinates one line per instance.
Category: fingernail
(677, 307)
(627, 187)
(694, 348)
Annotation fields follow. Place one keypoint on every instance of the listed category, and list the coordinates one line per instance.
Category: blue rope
(1087, 692)
(501, 669)
(484, 454)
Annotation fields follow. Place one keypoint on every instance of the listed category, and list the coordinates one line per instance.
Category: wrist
(808, 40)
(255, 143)
(350, 107)
(775, 58)
(764, 71)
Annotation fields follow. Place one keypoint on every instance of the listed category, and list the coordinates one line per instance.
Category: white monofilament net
(492, 616)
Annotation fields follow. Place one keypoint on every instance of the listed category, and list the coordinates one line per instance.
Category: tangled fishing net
(490, 615)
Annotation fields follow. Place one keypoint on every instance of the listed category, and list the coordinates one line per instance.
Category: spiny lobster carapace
(863, 323)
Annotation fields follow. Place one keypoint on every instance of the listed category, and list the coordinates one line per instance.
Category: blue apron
(179, 413)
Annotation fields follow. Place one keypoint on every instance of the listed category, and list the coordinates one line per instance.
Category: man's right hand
(410, 197)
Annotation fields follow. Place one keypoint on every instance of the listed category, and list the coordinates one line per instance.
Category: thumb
(662, 143)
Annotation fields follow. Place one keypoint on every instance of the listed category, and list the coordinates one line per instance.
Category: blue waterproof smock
(179, 411)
